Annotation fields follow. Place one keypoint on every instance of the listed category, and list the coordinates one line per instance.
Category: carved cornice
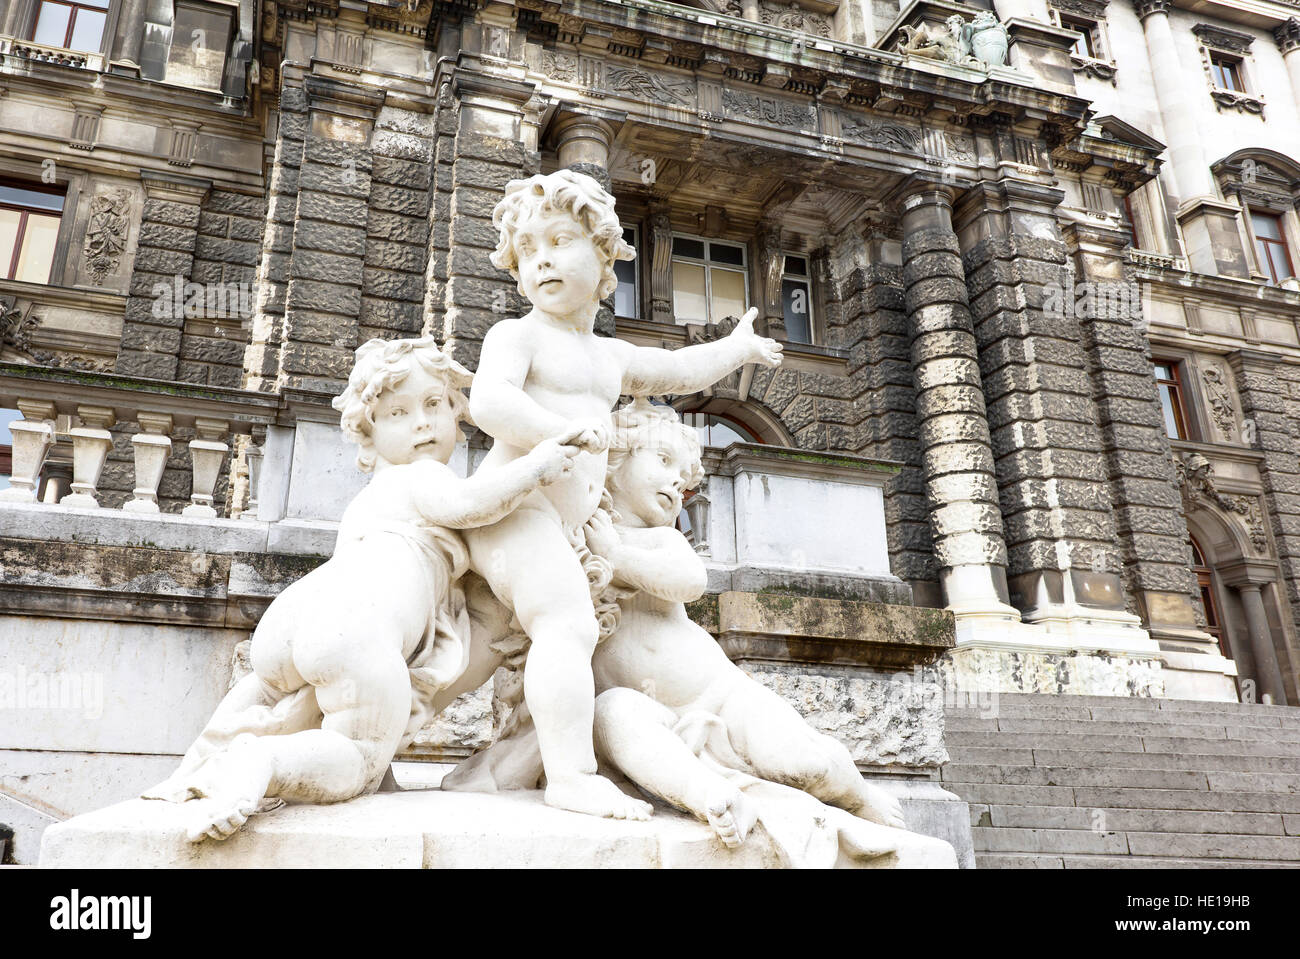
(1092, 9)
(1221, 39)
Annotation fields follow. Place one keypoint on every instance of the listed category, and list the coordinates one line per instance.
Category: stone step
(1000, 794)
(1213, 846)
(960, 742)
(1048, 841)
(1166, 862)
(1062, 727)
(1117, 777)
(1138, 798)
(1016, 861)
(1124, 714)
(1136, 702)
(1123, 820)
(1201, 762)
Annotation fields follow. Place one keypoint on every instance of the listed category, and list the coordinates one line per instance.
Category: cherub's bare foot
(731, 814)
(595, 796)
(863, 841)
(879, 806)
(230, 786)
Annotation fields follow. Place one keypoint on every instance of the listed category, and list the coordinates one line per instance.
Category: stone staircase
(1111, 782)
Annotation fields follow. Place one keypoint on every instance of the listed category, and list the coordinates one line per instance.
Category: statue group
(981, 43)
(559, 558)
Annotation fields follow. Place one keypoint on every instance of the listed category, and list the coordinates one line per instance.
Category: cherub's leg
(531, 565)
(365, 695)
(783, 748)
(634, 733)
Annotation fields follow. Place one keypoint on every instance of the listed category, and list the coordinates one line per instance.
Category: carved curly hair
(383, 364)
(565, 191)
(643, 425)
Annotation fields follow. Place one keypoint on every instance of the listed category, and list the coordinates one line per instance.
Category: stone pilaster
(164, 260)
(322, 298)
(1157, 582)
(445, 124)
(952, 426)
(124, 55)
(488, 153)
(880, 367)
(1264, 382)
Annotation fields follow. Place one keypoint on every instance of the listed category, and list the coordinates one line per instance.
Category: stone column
(1187, 164)
(155, 309)
(1022, 9)
(771, 265)
(1267, 673)
(953, 429)
(1287, 36)
(125, 52)
(582, 144)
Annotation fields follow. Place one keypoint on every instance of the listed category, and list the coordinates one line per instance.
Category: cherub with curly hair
(349, 661)
(547, 374)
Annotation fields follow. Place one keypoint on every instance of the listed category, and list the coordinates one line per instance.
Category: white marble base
(427, 829)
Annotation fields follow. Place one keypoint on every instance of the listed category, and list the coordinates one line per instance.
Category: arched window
(1205, 581)
(719, 431)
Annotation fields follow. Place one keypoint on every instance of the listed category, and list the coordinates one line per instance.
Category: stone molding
(1221, 39)
(1287, 35)
(1146, 8)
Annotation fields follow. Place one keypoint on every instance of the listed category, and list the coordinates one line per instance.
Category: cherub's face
(649, 484)
(414, 420)
(559, 266)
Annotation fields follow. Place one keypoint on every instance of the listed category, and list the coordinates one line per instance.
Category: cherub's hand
(592, 436)
(553, 458)
(758, 349)
(602, 538)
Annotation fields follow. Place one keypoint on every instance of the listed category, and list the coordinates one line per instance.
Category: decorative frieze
(1220, 400)
(887, 134)
(793, 17)
(769, 111)
(659, 88)
(106, 232)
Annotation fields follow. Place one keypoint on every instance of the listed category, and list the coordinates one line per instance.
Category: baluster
(253, 456)
(152, 447)
(206, 453)
(33, 435)
(91, 442)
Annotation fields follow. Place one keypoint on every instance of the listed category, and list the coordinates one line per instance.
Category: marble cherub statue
(348, 661)
(673, 714)
(547, 374)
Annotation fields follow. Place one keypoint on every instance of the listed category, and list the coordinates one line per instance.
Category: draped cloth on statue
(438, 660)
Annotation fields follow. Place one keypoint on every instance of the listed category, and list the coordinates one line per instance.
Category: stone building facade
(1052, 298)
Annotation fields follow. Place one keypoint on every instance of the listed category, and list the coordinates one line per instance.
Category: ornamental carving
(768, 110)
(1092, 9)
(881, 133)
(1221, 39)
(1220, 399)
(17, 323)
(1196, 477)
(649, 86)
(106, 230)
(794, 18)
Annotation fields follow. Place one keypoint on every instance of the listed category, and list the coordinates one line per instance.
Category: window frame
(635, 230)
(807, 280)
(11, 267)
(77, 6)
(1262, 245)
(155, 59)
(1089, 31)
(1178, 404)
(1205, 581)
(1230, 65)
(709, 266)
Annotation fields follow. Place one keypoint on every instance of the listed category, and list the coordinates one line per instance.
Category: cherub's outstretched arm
(659, 562)
(652, 372)
(490, 495)
(497, 403)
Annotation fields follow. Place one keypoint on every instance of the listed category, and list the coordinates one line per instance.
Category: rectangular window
(29, 230)
(1132, 224)
(1087, 45)
(1270, 244)
(1227, 72)
(1170, 389)
(70, 26)
(796, 299)
(6, 446)
(200, 40)
(710, 281)
(626, 300)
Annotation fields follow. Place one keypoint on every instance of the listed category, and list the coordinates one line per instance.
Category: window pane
(8, 233)
(1162, 372)
(34, 199)
(52, 24)
(625, 294)
(38, 248)
(688, 293)
(687, 247)
(728, 294)
(1267, 226)
(1167, 402)
(796, 265)
(198, 51)
(726, 253)
(796, 303)
(101, 4)
(87, 30)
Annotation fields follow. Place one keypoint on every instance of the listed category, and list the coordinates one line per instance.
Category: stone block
(398, 227)
(226, 251)
(346, 210)
(327, 297)
(397, 199)
(393, 284)
(330, 237)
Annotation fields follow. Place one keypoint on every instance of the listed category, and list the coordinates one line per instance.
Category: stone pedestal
(431, 829)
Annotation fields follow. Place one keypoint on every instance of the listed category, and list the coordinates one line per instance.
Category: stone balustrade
(94, 403)
(30, 50)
